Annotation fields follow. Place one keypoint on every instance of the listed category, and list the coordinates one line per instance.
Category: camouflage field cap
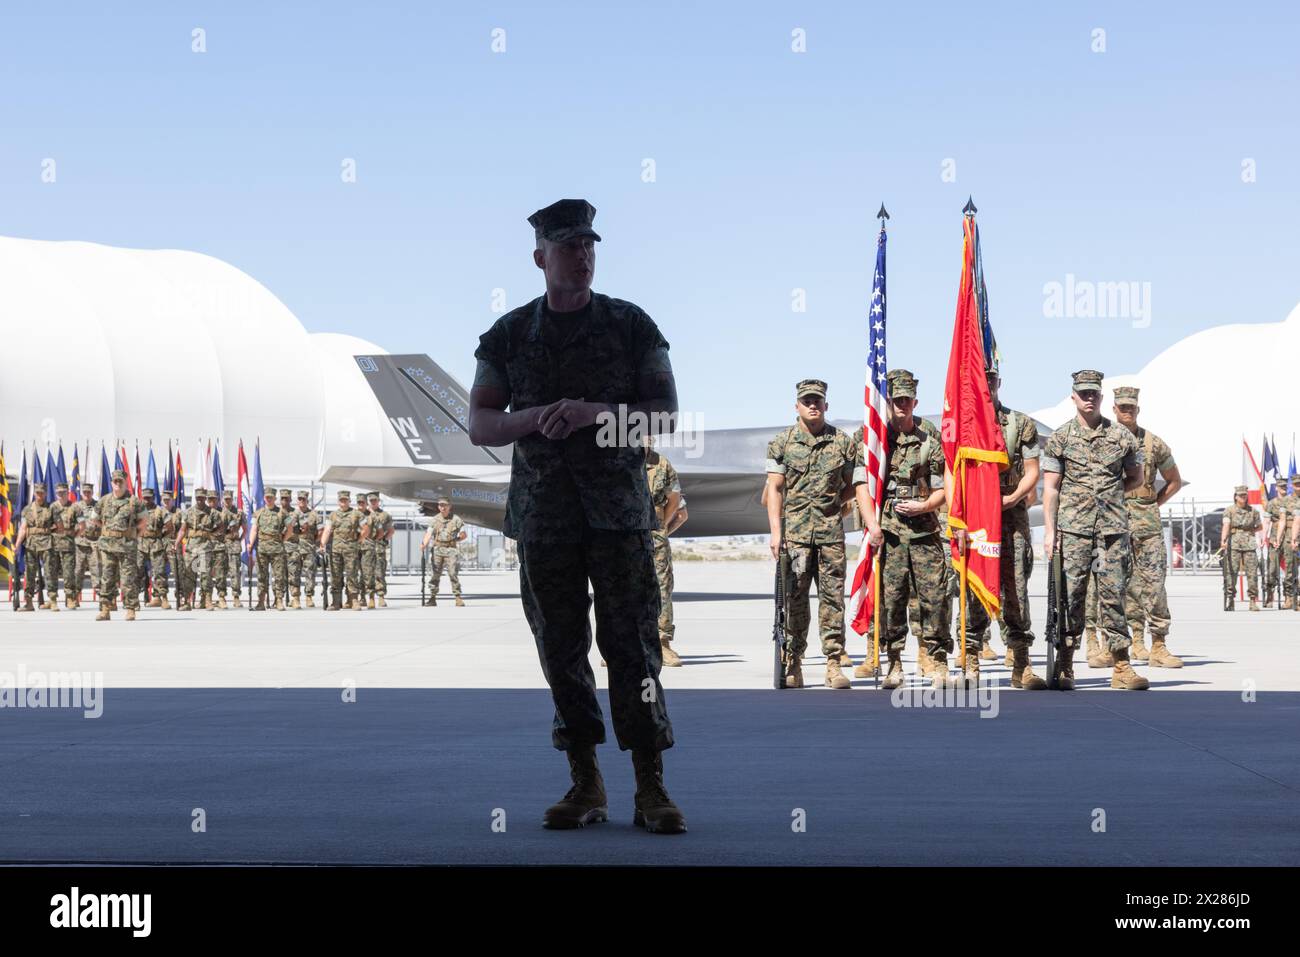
(147, 491)
(87, 485)
(119, 475)
(167, 493)
(374, 495)
(1087, 380)
(810, 387)
(61, 486)
(228, 493)
(209, 493)
(563, 220)
(286, 493)
(1241, 490)
(902, 384)
(304, 494)
(38, 487)
(1126, 394)
(344, 493)
(269, 493)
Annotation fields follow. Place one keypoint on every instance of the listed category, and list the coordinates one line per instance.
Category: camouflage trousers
(272, 573)
(374, 571)
(293, 562)
(1017, 563)
(220, 568)
(664, 575)
(1245, 562)
(1107, 559)
(156, 555)
(302, 570)
(823, 564)
(448, 558)
(234, 568)
(37, 574)
(1277, 575)
(1145, 602)
(917, 568)
(118, 570)
(198, 569)
(87, 564)
(553, 586)
(345, 565)
(63, 568)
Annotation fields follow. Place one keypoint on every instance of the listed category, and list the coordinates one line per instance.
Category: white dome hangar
(105, 343)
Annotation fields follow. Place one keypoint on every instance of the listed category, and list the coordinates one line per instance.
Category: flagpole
(969, 212)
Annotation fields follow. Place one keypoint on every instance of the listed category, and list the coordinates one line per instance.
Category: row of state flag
(1267, 482)
(207, 470)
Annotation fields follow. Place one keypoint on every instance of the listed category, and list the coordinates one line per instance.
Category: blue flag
(51, 476)
(105, 482)
(217, 482)
(1290, 475)
(151, 481)
(256, 497)
(38, 477)
(63, 472)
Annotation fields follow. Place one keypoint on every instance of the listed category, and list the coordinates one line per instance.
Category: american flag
(874, 436)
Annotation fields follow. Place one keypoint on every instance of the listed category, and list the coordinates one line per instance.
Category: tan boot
(207, 603)
(370, 602)
(1287, 605)
(261, 603)
(163, 603)
(1094, 652)
(1138, 651)
(1254, 605)
(52, 604)
(1022, 673)
(986, 651)
(869, 668)
(234, 601)
(310, 603)
(794, 673)
(1124, 677)
(670, 658)
(459, 602)
(130, 614)
(355, 604)
(971, 673)
(939, 677)
(1010, 661)
(27, 604)
(221, 601)
(846, 660)
(655, 810)
(155, 602)
(1065, 668)
(293, 602)
(383, 602)
(103, 612)
(585, 803)
(924, 663)
(69, 601)
(834, 676)
(895, 676)
(1160, 656)
(433, 601)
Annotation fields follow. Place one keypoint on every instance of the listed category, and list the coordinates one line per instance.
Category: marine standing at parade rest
(366, 550)
(809, 487)
(194, 542)
(153, 546)
(1088, 465)
(268, 539)
(1241, 525)
(1017, 483)
(342, 540)
(122, 519)
(171, 525)
(1146, 602)
(379, 533)
(1277, 531)
(1289, 576)
(308, 523)
(444, 532)
(85, 517)
(63, 553)
(225, 563)
(37, 533)
(289, 589)
(666, 496)
(579, 506)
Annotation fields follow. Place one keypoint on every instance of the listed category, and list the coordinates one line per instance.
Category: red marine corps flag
(973, 445)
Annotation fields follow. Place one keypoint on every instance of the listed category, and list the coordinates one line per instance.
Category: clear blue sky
(1115, 166)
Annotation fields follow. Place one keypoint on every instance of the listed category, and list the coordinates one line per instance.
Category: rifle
(424, 557)
(1229, 578)
(781, 643)
(1058, 614)
(326, 598)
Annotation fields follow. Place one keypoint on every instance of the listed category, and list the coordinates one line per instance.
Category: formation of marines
(130, 548)
(1101, 509)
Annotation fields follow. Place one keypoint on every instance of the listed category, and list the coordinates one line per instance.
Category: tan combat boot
(870, 666)
(310, 603)
(370, 602)
(459, 602)
(1065, 668)
(670, 658)
(1022, 673)
(163, 603)
(585, 803)
(261, 602)
(834, 676)
(355, 604)
(1254, 605)
(103, 612)
(894, 677)
(27, 604)
(1125, 678)
(68, 601)
(234, 601)
(130, 614)
(293, 602)
(793, 673)
(971, 674)
(1161, 657)
(655, 810)
(939, 677)
(207, 603)
(221, 601)
(1138, 651)
(1287, 605)
(924, 663)
(1010, 661)
(155, 602)
(846, 660)
(986, 651)
(52, 604)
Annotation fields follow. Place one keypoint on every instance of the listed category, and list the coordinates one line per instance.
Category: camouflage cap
(286, 493)
(304, 494)
(269, 493)
(61, 486)
(228, 493)
(1241, 490)
(344, 493)
(38, 487)
(147, 491)
(902, 384)
(209, 493)
(810, 387)
(372, 495)
(119, 475)
(86, 485)
(563, 220)
(167, 493)
(444, 501)
(1126, 393)
(1087, 380)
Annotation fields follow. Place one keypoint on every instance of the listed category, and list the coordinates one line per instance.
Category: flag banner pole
(875, 601)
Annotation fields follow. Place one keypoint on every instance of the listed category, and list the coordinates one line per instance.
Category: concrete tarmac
(442, 753)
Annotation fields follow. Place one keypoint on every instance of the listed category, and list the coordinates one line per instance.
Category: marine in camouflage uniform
(665, 493)
(37, 534)
(1241, 523)
(380, 532)
(302, 570)
(445, 532)
(85, 517)
(63, 553)
(810, 482)
(579, 507)
(171, 524)
(1016, 483)
(268, 537)
(152, 547)
(912, 552)
(231, 544)
(1279, 511)
(1146, 603)
(342, 540)
(198, 535)
(121, 517)
(1289, 576)
(1088, 468)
